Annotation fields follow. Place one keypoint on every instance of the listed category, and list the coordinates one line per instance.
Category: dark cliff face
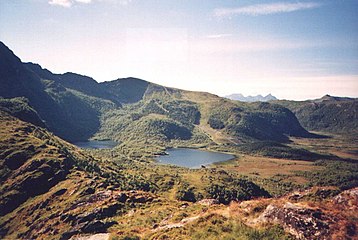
(81, 83)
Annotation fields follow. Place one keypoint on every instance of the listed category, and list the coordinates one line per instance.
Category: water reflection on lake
(192, 158)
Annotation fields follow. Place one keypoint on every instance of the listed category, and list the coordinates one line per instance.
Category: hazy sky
(292, 49)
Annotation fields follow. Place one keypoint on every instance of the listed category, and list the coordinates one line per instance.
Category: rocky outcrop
(347, 199)
(98, 236)
(302, 222)
(208, 202)
(306, 218)
(89, 214)
(96, 226)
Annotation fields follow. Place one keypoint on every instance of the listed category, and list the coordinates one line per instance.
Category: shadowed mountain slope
(64, 112)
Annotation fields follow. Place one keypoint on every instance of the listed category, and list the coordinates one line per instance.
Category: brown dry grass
(269, 167)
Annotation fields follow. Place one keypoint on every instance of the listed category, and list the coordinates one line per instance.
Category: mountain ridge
(257, 98)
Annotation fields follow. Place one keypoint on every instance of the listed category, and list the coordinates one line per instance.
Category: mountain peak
(331, 98)
(257, 98)
(8, 60)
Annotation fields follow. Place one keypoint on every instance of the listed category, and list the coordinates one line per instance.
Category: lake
(96, 144)
(192, 158)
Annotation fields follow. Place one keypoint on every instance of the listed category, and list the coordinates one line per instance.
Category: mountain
(65, 112)
(257, 98)
(327, 114)
(76, 107)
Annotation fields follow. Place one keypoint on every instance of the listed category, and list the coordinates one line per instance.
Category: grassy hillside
(260, 121)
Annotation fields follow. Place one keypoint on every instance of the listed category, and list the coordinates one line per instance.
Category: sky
(292, 49)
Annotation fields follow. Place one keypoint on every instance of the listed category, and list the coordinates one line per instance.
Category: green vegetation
(341, 174)
(215, 226)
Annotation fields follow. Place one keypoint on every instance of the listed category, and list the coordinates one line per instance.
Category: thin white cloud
(265, 9)
(222, 45)
(62, 3)
(223, 35)
(69, 3)
(84, 1)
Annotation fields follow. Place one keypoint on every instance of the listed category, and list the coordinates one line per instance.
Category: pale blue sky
(292, 49)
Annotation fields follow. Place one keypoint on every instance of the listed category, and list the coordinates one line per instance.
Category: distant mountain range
(257, 98)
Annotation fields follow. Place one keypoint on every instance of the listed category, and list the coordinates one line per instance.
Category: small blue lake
(94, 144)
(192, 158)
